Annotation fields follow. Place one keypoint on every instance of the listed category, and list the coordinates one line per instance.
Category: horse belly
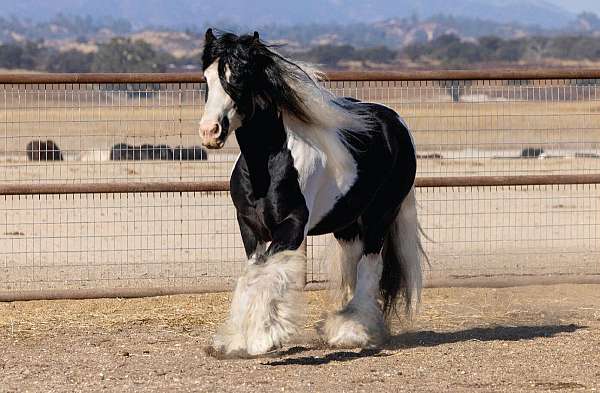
(325, 201)
(345, 210)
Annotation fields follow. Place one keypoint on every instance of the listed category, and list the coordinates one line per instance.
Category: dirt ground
(513, 339)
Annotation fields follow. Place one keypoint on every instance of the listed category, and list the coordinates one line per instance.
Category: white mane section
(328, 121)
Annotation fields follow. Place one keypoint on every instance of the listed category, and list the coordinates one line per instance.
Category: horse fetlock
(355, 326)
(228, 342)
(266, 308)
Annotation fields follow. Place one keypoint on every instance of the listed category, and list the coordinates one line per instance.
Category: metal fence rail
(222, 186)
(490, 74)
(508, 173)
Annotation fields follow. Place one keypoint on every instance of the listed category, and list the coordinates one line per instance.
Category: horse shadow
(424, 339)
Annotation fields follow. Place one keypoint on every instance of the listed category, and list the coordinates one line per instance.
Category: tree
(28, 56)
(379, 54)
(125, 55)
(70, 61)
(10, 56)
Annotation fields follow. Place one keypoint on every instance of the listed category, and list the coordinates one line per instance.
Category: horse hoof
(230, 349)
(221, 353)
(227, 344)
(350, 328)
(234, 347)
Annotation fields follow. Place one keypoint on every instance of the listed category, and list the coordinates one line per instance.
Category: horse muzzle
(213, 143)
(214, 135)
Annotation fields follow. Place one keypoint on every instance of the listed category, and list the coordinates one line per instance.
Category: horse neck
(261, 138)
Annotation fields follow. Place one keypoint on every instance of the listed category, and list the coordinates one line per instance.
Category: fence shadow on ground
(425, 339)
(496, 333)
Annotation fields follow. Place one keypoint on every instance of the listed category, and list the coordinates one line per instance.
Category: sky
(192, 12)
(579, 5)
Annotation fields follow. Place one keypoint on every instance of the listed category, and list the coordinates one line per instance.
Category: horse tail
(402, 252)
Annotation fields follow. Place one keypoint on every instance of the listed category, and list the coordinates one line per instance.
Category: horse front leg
(254, 245)
(288, 235)
(267, 309)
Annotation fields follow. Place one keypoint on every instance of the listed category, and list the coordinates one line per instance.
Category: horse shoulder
(285, 194)
(240, 187)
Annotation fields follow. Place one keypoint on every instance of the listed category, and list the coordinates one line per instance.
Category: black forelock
(259, 76)
(225, 44)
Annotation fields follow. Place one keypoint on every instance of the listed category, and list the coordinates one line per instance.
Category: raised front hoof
(350, 329)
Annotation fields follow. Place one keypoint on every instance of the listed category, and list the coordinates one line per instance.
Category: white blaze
(219, 104)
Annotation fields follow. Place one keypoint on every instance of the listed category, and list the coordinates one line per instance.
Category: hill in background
(76, 43)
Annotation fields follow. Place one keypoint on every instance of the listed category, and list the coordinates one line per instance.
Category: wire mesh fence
(499, 127)
(173, 239)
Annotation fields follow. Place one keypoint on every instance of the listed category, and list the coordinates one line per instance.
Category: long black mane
(259, 76)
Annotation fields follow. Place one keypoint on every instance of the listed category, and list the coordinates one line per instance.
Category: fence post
(304, 249)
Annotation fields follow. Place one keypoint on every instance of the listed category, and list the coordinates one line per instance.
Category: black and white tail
(402, 251)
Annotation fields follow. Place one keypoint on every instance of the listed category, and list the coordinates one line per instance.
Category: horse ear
(209, 36)
(256, 37)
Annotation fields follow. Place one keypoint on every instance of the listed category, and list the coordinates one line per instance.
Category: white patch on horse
(266, 308)
(328, 124)
(219, 104)
(320, 187)
(361, 322)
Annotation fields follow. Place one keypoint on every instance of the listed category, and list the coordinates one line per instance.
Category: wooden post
(304, 249)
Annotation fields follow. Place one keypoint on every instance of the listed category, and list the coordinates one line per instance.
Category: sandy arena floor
(514, 339)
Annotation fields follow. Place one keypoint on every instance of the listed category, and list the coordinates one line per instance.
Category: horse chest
(297, 179)
(267, 198)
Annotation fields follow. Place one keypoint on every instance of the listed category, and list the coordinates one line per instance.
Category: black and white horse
(310, 164)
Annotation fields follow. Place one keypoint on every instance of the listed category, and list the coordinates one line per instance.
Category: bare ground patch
(513, 339)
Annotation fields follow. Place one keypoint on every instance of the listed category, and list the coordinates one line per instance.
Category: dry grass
(31, 320)
(442, 309)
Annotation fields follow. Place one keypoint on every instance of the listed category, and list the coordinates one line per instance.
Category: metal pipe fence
(508, 173)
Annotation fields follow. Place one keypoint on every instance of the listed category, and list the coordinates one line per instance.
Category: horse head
(244, 75)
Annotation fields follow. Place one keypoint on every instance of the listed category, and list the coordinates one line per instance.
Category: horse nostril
(225, 125)
(214, 130)
(210, 130)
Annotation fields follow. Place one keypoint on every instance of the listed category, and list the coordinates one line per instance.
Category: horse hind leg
(342, 266)
(361, 322)
(390, 268)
